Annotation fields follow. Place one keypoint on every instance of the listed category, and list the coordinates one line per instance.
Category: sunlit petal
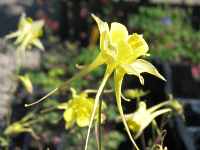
(38, 44)
(124, 52)
(140, 66)
(13, 35)
(63, 106)
(118, 32)
(83, 121)
(69, 115)
(103, 26)
(142, 117)
(27, 83)
(138, 45)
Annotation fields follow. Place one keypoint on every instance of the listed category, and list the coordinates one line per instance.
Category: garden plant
(120, 54)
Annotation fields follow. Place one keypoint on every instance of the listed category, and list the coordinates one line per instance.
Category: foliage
(111, 140)
(169, 31)
(47, 80)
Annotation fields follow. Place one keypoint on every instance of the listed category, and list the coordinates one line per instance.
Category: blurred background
(171, 29)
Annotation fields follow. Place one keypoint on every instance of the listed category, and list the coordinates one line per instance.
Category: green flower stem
(143, 143)
(43, 98)
(66, 84)
(96, 133)
(49, 109)
(102, 85)
(155, 126)
(99, 124)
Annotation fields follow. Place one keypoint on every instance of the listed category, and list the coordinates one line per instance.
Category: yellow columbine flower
(28, 33)
(78, 109)
(121, 53)
(142, 117)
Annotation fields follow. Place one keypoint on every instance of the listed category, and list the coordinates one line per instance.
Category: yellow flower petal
(160, 112)
(69, 115)
(142, 117)
(36, 28)
(63, 106)
(12, 35)
(24, 21)
(108, 51)
(13, 129)
(138, 45)
(124, 52)
(38, 44)
(103, 26)
(118, 32)
(135, 93)
(140, 66)
(27, 83)
(83, 121)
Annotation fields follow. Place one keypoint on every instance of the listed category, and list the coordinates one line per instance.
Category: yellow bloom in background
(22, 126)
(176, 105)
(28, 33)
(142, 117)
(78, 109)
(15, 128)
(27, 83)
(135, 93)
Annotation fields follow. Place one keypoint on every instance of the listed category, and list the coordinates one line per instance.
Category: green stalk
(143, 143)
(66, 84)
(99, 124)
(97, 98)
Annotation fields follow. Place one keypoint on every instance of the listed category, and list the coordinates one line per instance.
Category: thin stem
(99, 124)
(43, 98)
(82, 138)
(143, 143)
(49, 109)
(95, 91)
(96, 133)
(65, 85)
(103, 83)
(155, 126)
